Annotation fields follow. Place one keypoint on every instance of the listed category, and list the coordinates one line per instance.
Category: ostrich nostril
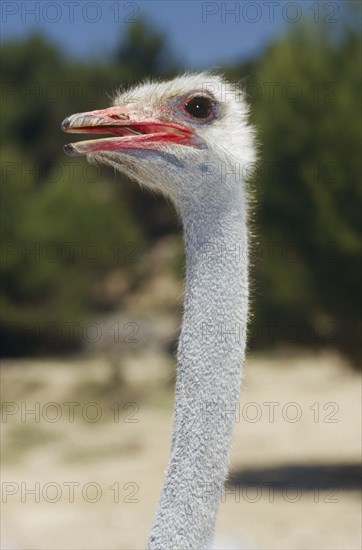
(119, 116)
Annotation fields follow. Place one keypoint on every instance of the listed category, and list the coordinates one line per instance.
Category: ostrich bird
(189, 138)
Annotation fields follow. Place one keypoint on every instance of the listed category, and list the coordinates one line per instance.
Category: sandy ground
(83, 456)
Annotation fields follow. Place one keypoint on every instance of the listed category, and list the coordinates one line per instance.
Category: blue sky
(201, 34)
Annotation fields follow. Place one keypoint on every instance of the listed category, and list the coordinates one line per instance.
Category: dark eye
(199, 107)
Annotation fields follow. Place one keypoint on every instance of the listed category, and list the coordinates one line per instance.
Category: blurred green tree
(306, 104)
(304, 92)
(65, 227)
(144, 51)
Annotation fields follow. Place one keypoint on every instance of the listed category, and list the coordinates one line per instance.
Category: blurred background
(92, 268)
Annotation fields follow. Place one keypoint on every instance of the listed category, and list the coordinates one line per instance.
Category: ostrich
(189, 138)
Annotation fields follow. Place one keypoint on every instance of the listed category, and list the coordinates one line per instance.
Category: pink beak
(130, 134)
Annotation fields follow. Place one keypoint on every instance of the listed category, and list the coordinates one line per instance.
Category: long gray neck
(210, 359)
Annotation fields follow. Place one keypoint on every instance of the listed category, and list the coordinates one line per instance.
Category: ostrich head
(174, 137)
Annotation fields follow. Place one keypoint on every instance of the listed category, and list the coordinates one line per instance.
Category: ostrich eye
(199, 107)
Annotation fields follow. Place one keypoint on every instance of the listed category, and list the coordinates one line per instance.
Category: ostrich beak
(130, 134)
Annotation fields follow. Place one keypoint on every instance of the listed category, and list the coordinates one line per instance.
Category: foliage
(309, 195)
(304, 94)
(64, 224)
(144, 50)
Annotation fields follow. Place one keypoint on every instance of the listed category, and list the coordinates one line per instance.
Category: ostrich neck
(210, 358)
